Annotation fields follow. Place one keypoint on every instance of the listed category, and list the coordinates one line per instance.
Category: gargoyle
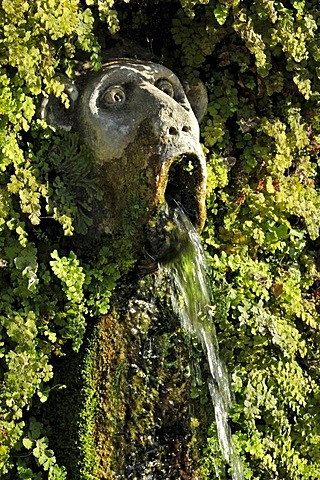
(144, 135)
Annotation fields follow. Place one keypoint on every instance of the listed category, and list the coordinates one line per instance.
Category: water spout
(192, 302)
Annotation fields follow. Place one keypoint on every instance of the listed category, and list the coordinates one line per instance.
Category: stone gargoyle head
(144, 135)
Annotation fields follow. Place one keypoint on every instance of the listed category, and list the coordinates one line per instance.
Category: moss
(88, 469)
(69, 414)
(147, 422)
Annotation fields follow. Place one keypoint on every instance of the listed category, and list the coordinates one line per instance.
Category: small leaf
(27, 443)
(221, 13)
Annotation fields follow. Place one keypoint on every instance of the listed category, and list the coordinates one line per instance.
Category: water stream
(192, 302)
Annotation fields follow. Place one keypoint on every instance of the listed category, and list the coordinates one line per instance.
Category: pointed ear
(198, 98)
(54, 112)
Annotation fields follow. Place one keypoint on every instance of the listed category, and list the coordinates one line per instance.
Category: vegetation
(260, 62)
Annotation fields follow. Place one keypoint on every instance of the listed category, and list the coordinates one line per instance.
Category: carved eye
(114, 95)
(166, 87)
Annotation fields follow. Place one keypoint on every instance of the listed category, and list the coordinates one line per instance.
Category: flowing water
(192, 301)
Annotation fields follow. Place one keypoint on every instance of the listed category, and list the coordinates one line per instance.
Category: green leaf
(221, 13)
(27, 443)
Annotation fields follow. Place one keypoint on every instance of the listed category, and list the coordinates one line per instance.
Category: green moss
(145, 388)
(69, 414)
(87, 459)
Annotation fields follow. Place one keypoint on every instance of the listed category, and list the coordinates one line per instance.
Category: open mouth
(182, 182)
(186, 185)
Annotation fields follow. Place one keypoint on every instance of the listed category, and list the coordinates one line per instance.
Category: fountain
(135, 118)
(191, 299)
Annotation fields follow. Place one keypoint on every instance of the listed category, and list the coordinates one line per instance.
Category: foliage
(263, 229)
(260, 61)
(43, 285)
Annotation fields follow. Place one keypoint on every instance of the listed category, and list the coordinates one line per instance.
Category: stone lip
(181, 180)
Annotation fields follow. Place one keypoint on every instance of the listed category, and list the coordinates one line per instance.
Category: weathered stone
(136, 118)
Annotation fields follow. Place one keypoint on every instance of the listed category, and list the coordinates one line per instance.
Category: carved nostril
(173, 131)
